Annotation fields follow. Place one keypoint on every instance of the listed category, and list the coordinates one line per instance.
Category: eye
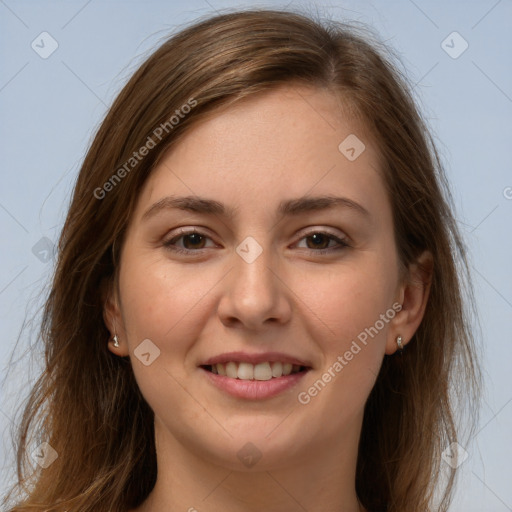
(192, 240)
(319, 239)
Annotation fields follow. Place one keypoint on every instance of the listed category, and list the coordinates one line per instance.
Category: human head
(208, 66)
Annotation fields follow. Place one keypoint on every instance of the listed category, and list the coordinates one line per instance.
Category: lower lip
(254, 389)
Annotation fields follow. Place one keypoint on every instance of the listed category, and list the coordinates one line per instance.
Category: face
(274, 278)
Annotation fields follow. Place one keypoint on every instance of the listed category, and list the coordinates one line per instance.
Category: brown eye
(194, 239)
(191, 241)
(318, 242)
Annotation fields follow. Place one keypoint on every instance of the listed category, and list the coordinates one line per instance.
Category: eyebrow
(290, 207)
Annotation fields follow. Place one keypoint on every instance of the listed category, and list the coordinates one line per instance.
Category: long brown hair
(87, 404)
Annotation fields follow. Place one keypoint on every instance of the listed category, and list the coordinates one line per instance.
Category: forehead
(287, 142)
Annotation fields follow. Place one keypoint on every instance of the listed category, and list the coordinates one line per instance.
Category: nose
(254, 294)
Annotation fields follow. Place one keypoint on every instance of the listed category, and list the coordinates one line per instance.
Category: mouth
(254, 376)
(266, 370)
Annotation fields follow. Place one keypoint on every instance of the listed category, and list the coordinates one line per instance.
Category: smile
(247, 371)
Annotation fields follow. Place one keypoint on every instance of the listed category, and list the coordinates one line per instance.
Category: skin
(279, 145)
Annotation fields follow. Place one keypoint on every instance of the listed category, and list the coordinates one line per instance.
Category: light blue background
(50, 109)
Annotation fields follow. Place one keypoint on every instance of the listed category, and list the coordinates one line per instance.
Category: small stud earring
(116, 341)
(399, 343)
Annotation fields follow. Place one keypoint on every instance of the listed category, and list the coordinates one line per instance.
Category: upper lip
(255, 358)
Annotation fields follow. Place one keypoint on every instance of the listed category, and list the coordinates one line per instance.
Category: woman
(259, 297)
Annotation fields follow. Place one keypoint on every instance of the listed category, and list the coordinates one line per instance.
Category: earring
(399, 343)
(116, 342)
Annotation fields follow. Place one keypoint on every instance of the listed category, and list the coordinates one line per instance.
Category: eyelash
(170, 243)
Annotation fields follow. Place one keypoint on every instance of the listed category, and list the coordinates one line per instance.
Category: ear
(113, 318)
(413, 294)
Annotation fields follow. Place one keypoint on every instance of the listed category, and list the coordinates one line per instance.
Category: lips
(254, 389)
(255, 376)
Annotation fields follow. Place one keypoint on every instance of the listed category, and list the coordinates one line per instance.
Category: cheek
(160, 299)
(166, 305)
(350, 331)
(351, 314)
(348, 300)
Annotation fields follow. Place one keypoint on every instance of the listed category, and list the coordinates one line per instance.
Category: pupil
(195, 237)
(318, 237)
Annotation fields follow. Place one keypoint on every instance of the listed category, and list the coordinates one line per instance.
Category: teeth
(231, 370)
(260, 371)
(287, 368)
(245, 371)
(277, 369)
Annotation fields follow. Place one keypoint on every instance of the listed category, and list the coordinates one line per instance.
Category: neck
(322, 480)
